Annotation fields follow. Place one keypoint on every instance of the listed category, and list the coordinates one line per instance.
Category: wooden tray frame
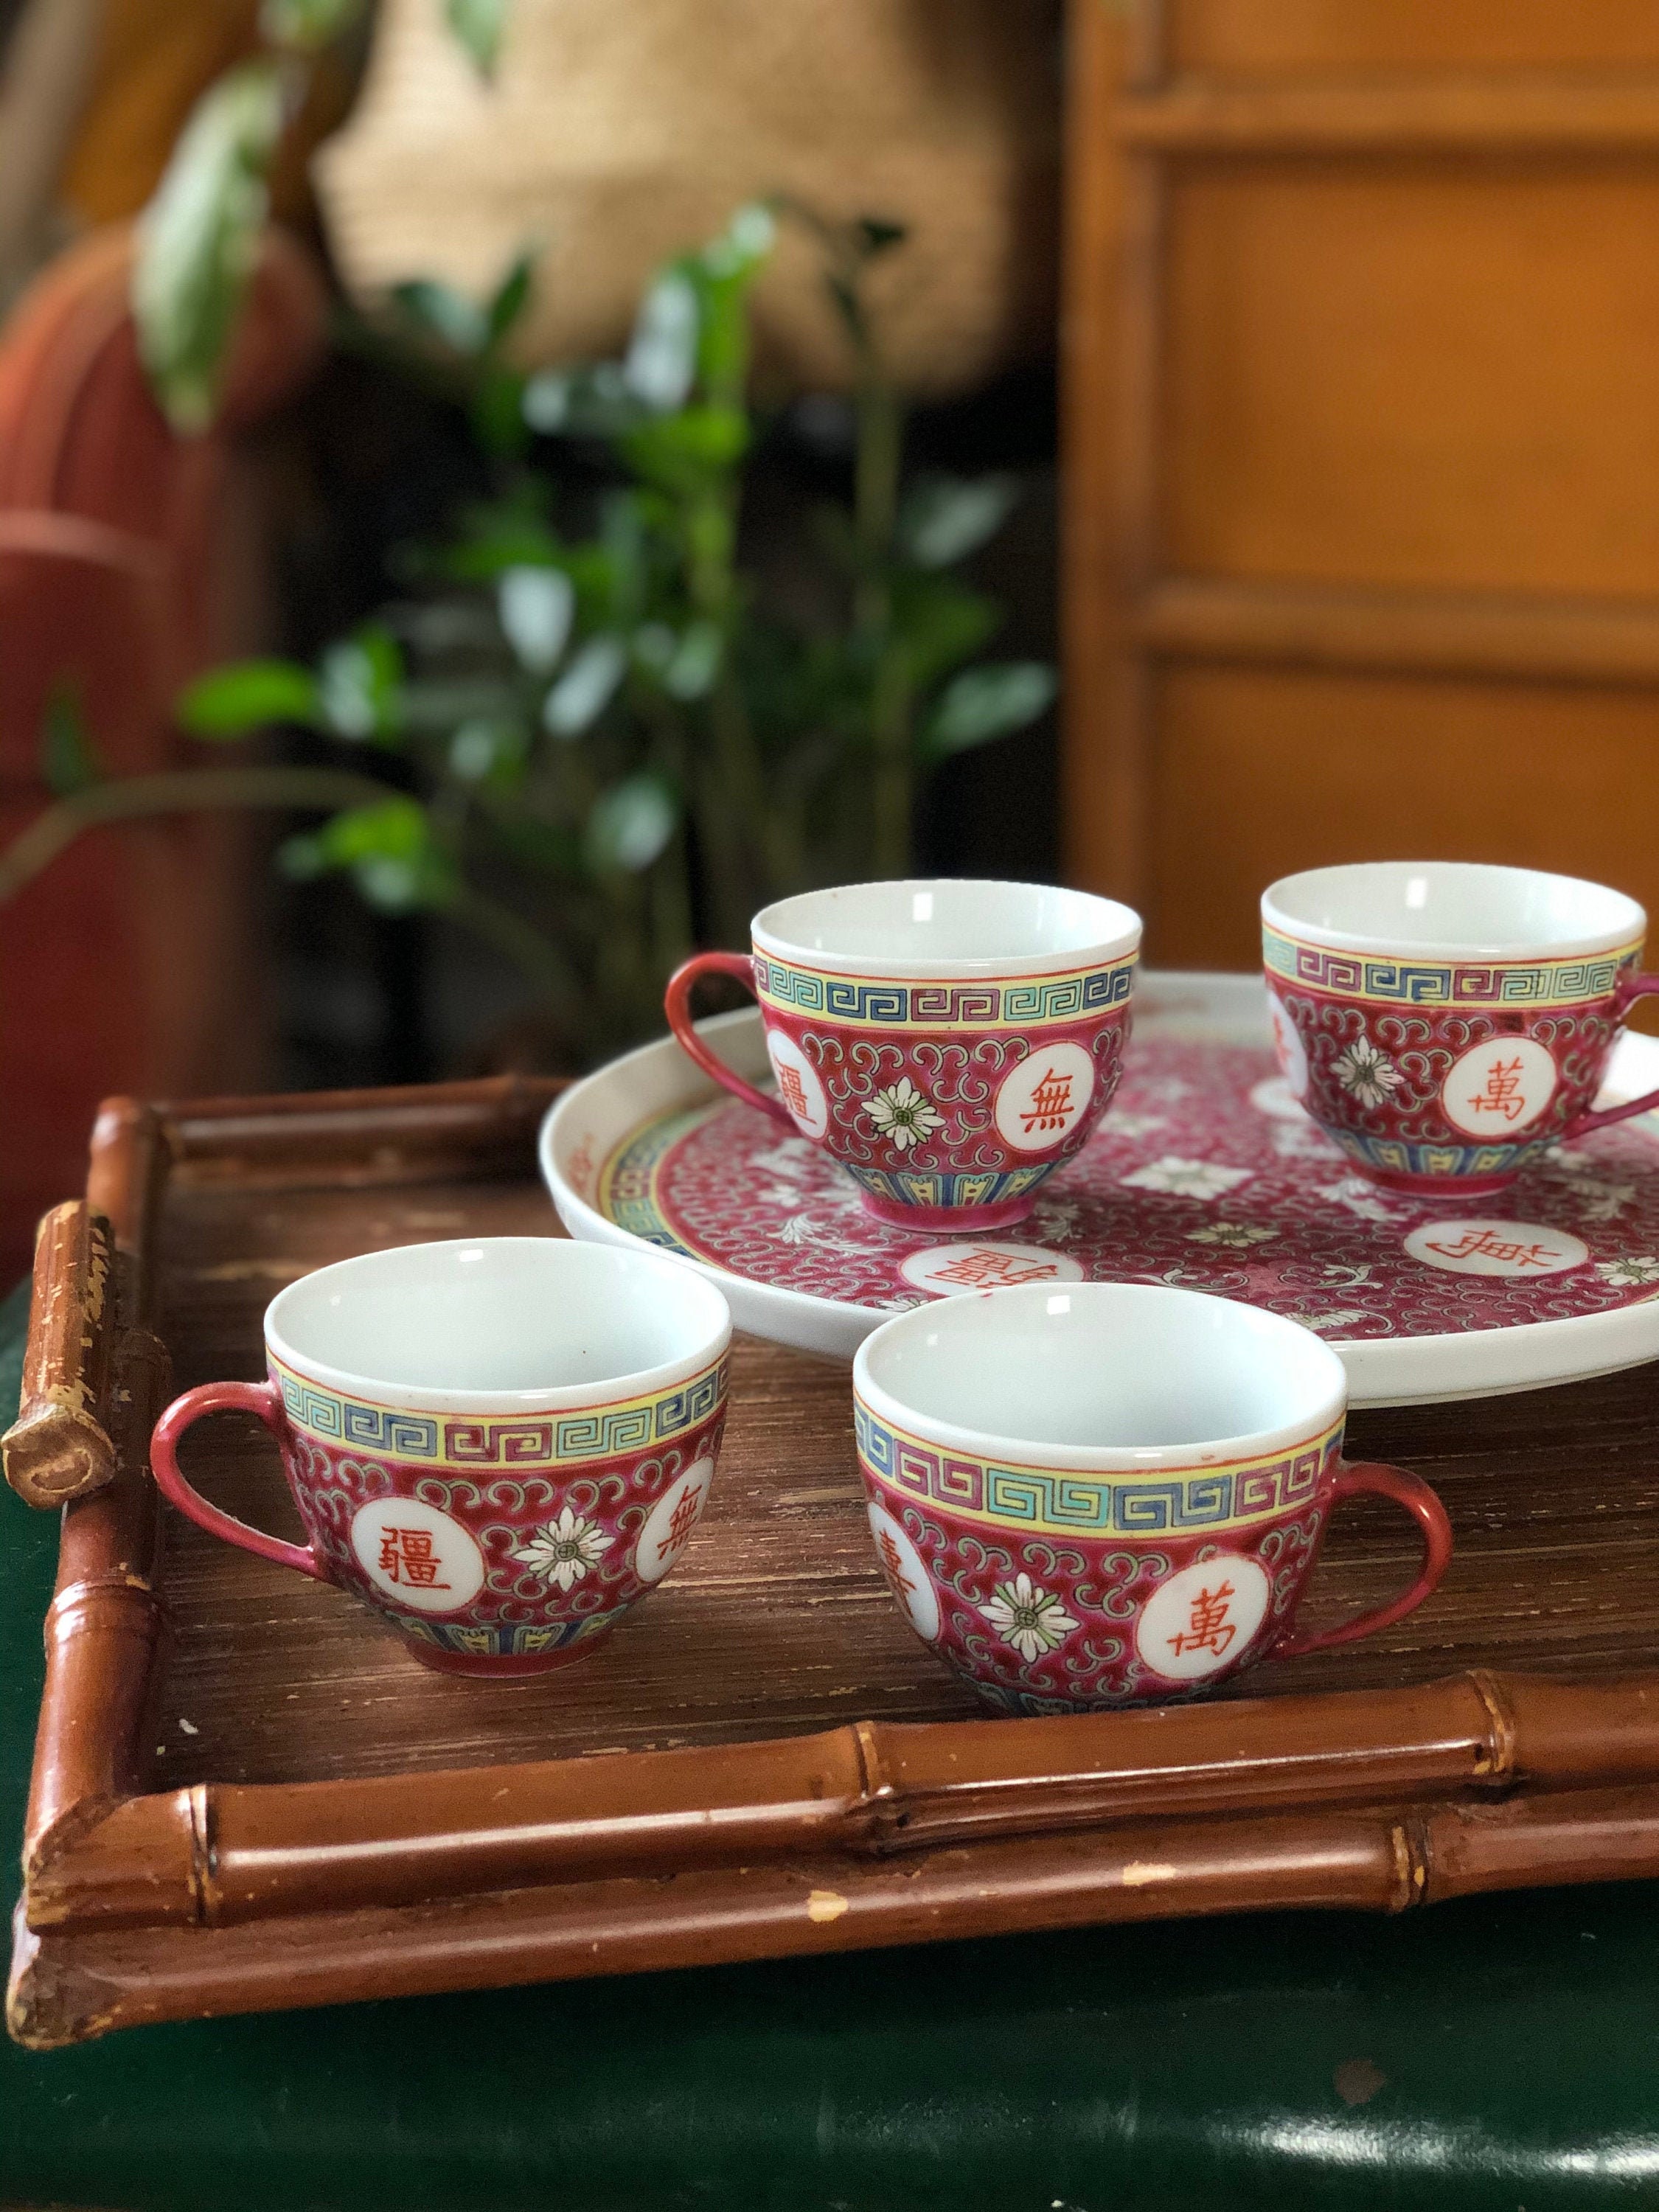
(143, 1904)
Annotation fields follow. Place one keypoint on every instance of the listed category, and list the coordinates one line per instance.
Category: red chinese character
(1209, 1629)
(1503, 1094)
(1051, 1103)
(980, 1270)
(680, 1521)
(406, 1556)
(1483, 1243)
(794, 1092)
(893, 1563)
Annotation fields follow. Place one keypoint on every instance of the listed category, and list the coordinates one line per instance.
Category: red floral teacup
(1445, 1024)
(1109, 1493)
(948, 1042)
(502, 1444)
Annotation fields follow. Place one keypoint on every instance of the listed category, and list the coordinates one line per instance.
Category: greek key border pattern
(508, 1440)
(1487, 983)
(874, 1002)
(1043, 1501)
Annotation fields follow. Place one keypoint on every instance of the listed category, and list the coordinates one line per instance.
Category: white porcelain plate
(1204, 1173)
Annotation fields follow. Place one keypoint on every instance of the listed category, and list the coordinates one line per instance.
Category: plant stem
(178, 791)
(876, 487)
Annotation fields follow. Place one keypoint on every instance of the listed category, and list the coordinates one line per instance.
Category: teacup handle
(676, 1003)
(1411, 1491)
(265, 1400)
(1633, 989)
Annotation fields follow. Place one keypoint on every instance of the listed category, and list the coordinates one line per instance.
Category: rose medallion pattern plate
(1205, 1174)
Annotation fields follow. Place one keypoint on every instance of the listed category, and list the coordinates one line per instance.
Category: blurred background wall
(453, 465)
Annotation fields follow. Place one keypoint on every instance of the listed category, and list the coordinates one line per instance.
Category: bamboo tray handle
(60, 1448)
(90, 1373)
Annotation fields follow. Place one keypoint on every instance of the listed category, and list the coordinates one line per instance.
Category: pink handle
(1430, 1515)
(1633, 989)
(677, 1003)
(261, 1398)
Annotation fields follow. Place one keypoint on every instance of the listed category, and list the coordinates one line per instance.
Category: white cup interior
(947, 926)
(1452, 909)
(532, 1318)
(1095, 1369)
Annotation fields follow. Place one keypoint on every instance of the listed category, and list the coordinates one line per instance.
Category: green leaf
(946, 518)
(495, 538)
(496, 410)
(360, 684)
(695, 662)
(580, 403)
(305, 27)
(389, 850)
(488, 750)
(68, 762)
(228, 702)
(512, 295)
(583, 692)
(536, 607)
(937, 624)
(987, 702)
(681, 454)
(439, 311)
(661, 364)
(478, 24)
(199, 236)
(630, 825)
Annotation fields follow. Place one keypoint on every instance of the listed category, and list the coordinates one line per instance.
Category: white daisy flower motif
(1634, 1274)
(565, 1549)
(904, 1114)
(1133, 1125)
(1187, 1178)
(1238, 1236)
(1032, 1619)
(1366, 1073)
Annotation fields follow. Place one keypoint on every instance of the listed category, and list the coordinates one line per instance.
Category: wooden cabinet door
(1362, 422)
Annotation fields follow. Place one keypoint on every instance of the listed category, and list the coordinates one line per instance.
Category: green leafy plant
(590, 731)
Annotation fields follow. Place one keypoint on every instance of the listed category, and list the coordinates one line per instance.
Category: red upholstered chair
(128, 561)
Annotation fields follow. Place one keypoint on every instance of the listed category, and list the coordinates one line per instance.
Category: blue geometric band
(1041, 1500)
(1443, 983)
(1026, 999)
(600, 1432)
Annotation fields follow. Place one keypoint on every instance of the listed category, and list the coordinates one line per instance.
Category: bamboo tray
(246, 1796)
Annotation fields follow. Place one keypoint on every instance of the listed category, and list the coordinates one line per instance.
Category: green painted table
(1499, 2053)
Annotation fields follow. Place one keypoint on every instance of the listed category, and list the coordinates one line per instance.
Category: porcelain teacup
(1109, 1493)
(1446, 1023)
(502, 1444)
(949, 1042)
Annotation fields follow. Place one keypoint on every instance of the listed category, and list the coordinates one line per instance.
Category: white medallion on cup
(800, 1086)
(1496, 1248)
(1043, 1096)
(416, 1556)
(1498, 1089)
(668, 1528)
(907, 1577)
(986, 1263)
(1203, 1618)
(1288, 1047)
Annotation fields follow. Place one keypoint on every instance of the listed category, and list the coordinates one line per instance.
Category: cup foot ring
(511, 1667)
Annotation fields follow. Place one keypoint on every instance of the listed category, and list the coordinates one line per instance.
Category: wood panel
(1298, 36)
(1388, 372)
(1361, 410)
(1356, 765)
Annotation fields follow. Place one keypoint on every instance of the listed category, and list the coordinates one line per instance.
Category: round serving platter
(1204, 1173)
